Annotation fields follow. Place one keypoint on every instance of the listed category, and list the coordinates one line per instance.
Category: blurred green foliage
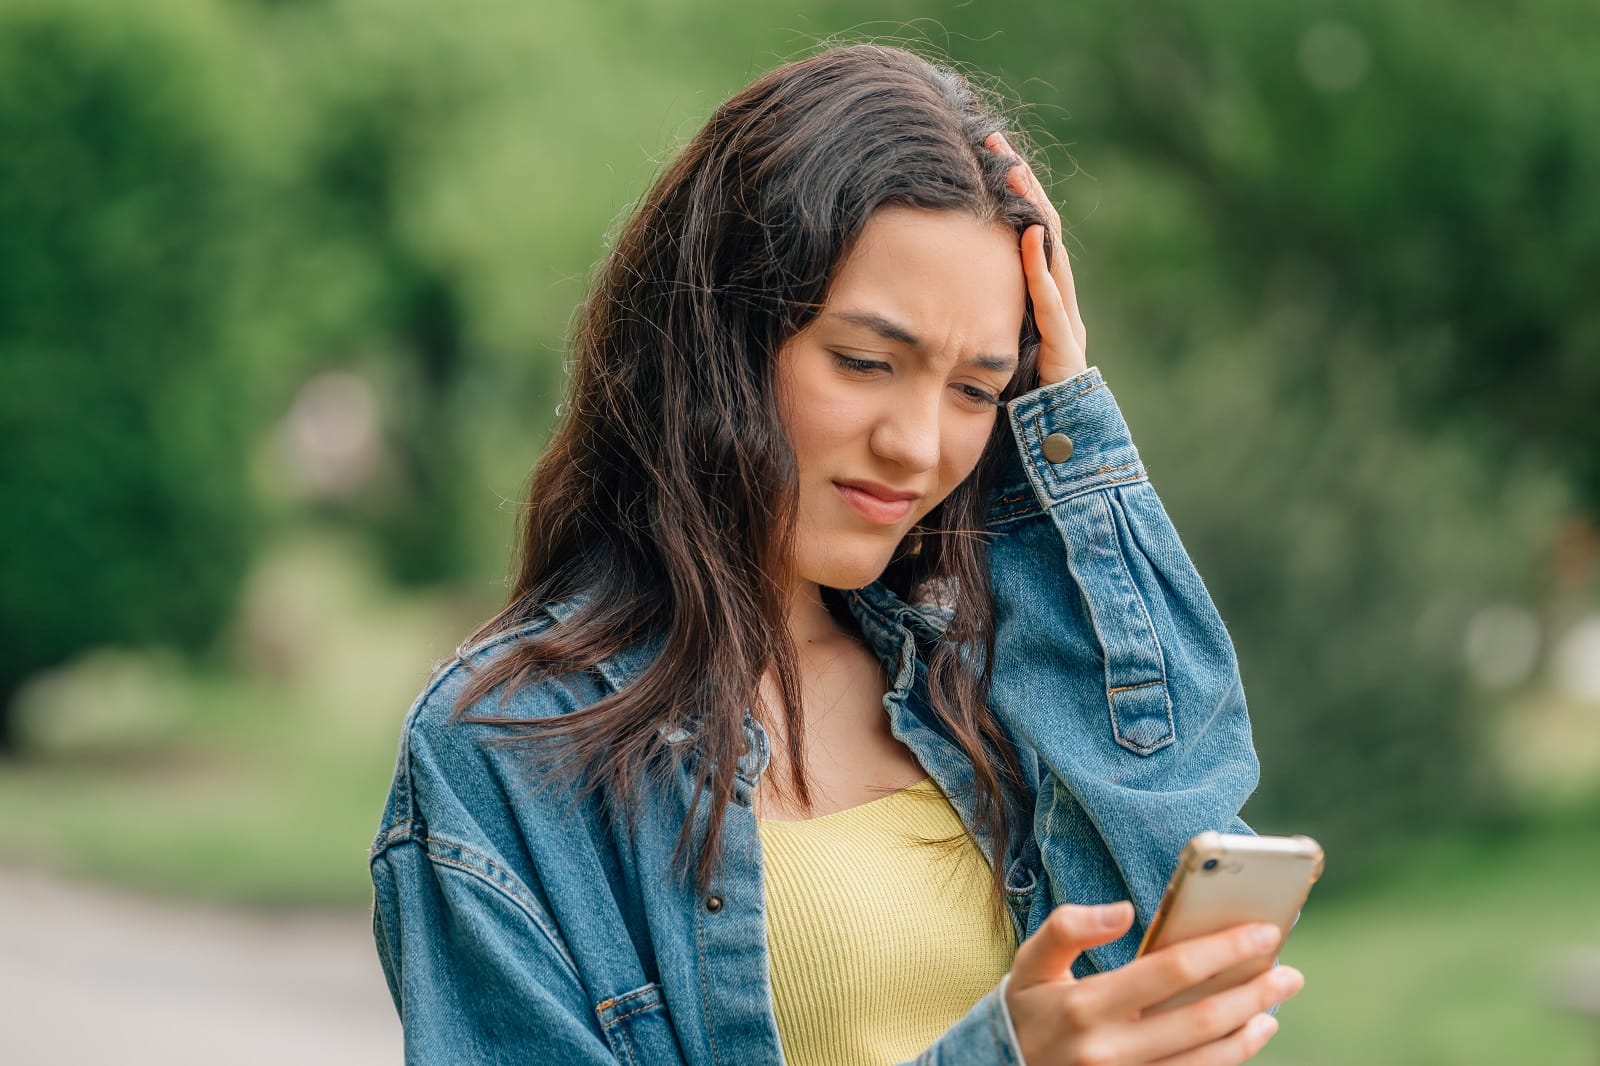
(1334, 259)
(123, 393)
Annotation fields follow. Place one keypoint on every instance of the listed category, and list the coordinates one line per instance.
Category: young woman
(854, 681)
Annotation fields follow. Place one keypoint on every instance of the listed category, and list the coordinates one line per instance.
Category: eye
(858, 366)
(981, 397)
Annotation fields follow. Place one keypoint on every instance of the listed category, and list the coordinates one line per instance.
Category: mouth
(877, 503)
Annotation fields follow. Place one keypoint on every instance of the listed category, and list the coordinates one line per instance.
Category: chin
(848, 570)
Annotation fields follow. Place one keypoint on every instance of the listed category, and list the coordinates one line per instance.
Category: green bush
(128, 516)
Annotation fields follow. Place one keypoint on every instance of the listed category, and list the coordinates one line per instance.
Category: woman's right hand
(1062, 1020)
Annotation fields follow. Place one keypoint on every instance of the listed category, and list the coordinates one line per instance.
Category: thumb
(1048, 954)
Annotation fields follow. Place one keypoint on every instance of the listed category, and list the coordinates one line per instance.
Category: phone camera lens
(1209, 864)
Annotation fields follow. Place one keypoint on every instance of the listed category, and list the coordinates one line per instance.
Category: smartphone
(1225, 879)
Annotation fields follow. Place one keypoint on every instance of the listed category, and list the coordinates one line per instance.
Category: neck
(810, 622)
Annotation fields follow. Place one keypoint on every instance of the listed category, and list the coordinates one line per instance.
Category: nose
(907, 431)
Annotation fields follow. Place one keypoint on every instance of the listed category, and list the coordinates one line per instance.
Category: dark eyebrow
(891, 330)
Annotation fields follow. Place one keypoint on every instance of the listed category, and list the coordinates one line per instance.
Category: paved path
(89, 975)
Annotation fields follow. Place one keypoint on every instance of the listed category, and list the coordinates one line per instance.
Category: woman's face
(890, 393)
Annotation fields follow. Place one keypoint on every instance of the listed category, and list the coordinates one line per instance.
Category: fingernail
(1005, 144)
(1264, 936)
(1110, 915)
(1263, 1026)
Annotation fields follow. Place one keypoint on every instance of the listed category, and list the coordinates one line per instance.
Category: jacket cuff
(1071, 438)
(1005, 1012)
(983, 1035)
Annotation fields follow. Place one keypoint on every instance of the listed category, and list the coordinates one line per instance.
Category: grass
(261, 783)
(1448, 959)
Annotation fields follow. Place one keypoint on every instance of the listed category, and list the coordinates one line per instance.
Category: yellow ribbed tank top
(878, 943)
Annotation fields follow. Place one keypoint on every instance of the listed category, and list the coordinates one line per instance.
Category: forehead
(945, 274)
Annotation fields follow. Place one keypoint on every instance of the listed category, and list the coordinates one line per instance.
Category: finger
(1040, 197)
(1033, 189)
(1238, 1046)
(1024, 182)
(1048, 954)
(1060, 355)
(1027, 182)
(1055, 326)
(1061, 271)
(1060, 262)
(1148, 980)
(1017, 174)
(1213, 1018)
(1017, 181)
(1020, 180)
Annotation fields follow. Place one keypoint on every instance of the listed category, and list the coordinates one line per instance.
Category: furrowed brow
(891, 330)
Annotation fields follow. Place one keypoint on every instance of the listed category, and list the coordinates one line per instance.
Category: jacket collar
(623, 667)
(882, 614)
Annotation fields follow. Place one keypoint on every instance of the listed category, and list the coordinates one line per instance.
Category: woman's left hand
(1062, 341)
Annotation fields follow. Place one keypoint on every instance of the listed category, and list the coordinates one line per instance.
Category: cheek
(960, 451)
(821, 422)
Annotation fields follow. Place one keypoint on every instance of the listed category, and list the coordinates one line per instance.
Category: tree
(123, 388)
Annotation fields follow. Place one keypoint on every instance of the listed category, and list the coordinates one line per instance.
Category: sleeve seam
(485, 871)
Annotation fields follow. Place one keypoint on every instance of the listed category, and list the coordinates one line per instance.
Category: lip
(875, 502)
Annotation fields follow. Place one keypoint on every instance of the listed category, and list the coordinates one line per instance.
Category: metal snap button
(713, 904)
(1058, 447)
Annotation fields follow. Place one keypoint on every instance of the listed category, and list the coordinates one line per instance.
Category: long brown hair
(667, 493)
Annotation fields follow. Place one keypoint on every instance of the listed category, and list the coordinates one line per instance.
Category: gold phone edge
(1212, 844)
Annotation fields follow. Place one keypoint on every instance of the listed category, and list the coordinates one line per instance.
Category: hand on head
(1062, 339)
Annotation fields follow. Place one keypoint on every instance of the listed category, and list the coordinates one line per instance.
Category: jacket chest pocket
(1104, 561)
(637, 1027)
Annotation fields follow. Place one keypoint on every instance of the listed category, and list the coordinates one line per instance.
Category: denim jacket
(513, 931)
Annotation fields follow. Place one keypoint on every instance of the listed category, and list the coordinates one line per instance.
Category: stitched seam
(1071, 490)
(1032, 401)
(1130, 688)
(1119, 519)
(625, 1049)
(1129, 742)
(1097, 612)
(613, 1001)
(629, 1014)
(997, 517)
(1113, 507)
(705, 990)
(528, 907)
(441, 671)
(1086, 390)
(1057, 402)
(401, 832)
(1149, 625)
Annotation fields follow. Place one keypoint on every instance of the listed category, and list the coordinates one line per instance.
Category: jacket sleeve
(1111, 661)
(473, 972)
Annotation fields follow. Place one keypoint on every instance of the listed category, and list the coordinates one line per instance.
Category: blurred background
(284, 286)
